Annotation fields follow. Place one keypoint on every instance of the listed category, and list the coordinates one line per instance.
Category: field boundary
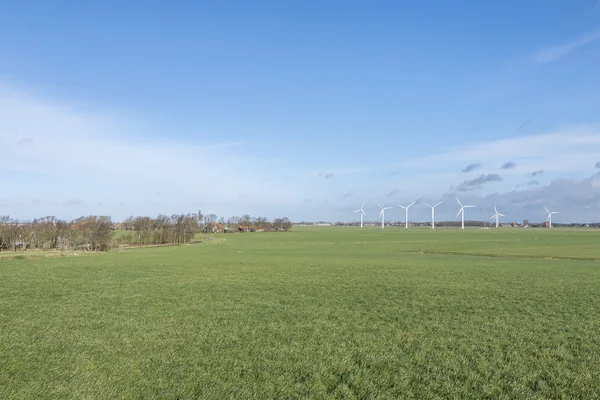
(40, 254)
(523, 256)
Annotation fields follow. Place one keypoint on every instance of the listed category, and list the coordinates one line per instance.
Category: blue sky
(303, 109)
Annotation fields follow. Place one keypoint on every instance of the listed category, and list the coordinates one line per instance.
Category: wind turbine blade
(493, 216)
(363, 205)
(469, 206)
(387, 208)
(459, 202)
(379, 205)
(502, 215)
(428, 205)
(546, 210)
(548, 219)
(362, 212)
(459, 211)
(495, 209)
(401, 206)
(411, 204)
(438, 203)
(381, 213)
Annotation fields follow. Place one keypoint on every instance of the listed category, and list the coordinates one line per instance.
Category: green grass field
(314, 313)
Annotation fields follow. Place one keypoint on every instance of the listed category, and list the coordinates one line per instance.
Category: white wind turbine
(362, 213)
(382, 214)
(549, 219)
(406, 210)
(462, 211)
(497, 215)
(433, 213)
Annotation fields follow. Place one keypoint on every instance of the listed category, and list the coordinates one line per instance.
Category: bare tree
(233, 222)
(246, 220)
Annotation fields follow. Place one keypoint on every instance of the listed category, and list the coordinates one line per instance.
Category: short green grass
(314, 313)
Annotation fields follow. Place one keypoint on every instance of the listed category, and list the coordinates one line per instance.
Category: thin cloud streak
(525, 124)
(563, 50)
(25, 142)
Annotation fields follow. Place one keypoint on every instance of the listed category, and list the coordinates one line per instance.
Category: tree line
(91, 233)
(99, 233)
(210, 221)
(176, 229)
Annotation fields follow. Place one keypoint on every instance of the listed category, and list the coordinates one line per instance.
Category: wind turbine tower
(462, 211)
(406, 210)
(362, 213)
(382, 214)
(433, 213)
(549, 219)
(497, 215)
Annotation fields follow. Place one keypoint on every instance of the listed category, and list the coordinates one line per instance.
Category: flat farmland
(313, 313)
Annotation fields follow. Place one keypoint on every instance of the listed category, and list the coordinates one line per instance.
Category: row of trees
(176, 229)
(95, 233)
(99, 233)
(233, 223)
(49, 233)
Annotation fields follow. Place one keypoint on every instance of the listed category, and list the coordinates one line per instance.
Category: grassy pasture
(314, 313)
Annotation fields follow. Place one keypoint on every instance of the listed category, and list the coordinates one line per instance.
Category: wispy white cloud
(25, 142)
(568, 149)
(52, 152)
(568, 152)
(556, 52)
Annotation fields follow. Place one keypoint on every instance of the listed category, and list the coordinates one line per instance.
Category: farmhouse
(214, 227)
